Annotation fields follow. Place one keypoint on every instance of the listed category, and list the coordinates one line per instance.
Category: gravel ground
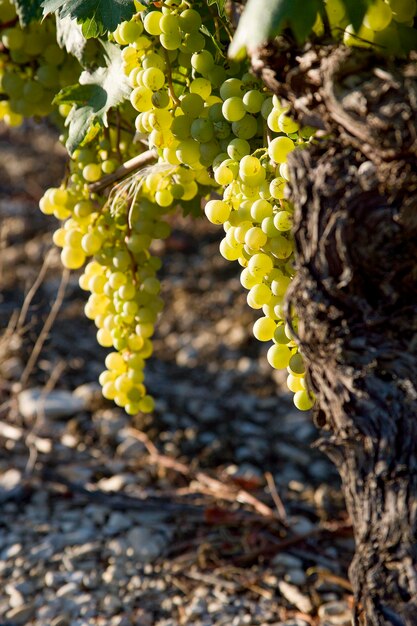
(215, 511)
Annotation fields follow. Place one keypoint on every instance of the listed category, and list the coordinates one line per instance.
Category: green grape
(281, 247)
(12, 84)
(266, 108)
(253, 101)
(295, 383)
(279, 149)
(233, 109)
(53, 55)
(264, 329)
(335, 10)
(130, 31)
(151, 23)
(153, 78)
(255, 238)
(192, 104)
(202, 62)
(403, 10)
(232, 87)
(181, 127)
(92, 172)
(303, 400)
(249, 166)
(280, 284)
(12, 38)
(283, 221)
(261, 209)
(160, 99)
(277, 188)
(238, 148)
(246, 128)
(296, 365)
(170, 41)
(141, 99)
(189, 21)
(217, 211)
(188, 151)
(278, 356)
(260, 264)
(259, 295)
(33, 91)
(202, 130)
(201, 86)
(194, 42)
(223, 175)
(72, 258)
(287, 125)
(230, 253)
(153, 59)
(170, 24)
(378, 16)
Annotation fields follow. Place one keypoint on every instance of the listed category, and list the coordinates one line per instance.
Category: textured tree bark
(355, 198)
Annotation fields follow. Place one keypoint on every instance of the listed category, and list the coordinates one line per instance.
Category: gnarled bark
(355, 197)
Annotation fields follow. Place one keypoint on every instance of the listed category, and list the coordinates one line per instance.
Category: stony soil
(215, 511)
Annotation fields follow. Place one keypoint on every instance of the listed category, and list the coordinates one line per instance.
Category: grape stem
(137, 162)
(169, 75)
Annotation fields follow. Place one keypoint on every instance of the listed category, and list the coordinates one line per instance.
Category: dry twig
(205, 483)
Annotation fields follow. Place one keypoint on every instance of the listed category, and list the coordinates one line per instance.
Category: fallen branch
(209, 484)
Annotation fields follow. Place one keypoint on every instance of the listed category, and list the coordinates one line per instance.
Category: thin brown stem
(136, 163)
(169, 76)
(46, 328)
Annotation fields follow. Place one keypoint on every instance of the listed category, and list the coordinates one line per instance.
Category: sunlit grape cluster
(112, 237)
(257, 220)
(386, 26)
(32, 67)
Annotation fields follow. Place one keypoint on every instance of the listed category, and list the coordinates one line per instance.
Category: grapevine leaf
(264, 19)
(69, 36)
(97, 92)
(96, 16)
(28, 10)
(355, 10)
(220, 6)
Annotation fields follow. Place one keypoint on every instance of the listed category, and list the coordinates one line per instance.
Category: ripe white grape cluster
(257, 220)
(112, 238)
(386, 25)
(32, 67)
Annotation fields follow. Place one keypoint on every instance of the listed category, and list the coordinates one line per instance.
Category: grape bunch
(257, 220)
(387, 25)
(32, 67)
(112, 237)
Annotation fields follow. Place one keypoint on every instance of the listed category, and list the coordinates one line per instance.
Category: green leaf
(97, 92)
(69, 36)
(28, 10)
(96, 16)
(355, 10)
(220, 6)
(264, 19)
